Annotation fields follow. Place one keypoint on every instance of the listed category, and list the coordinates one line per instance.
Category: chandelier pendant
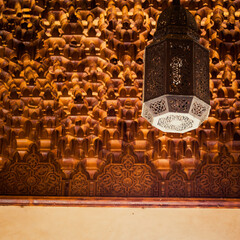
(176, 94)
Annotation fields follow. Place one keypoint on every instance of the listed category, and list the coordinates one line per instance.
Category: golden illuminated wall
(71, 76)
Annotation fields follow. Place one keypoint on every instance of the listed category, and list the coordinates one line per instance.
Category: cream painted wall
(62, 223)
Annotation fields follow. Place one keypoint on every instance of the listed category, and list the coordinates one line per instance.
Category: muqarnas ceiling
(71, 77)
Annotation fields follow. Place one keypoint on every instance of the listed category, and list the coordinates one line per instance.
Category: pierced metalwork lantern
(176, 81)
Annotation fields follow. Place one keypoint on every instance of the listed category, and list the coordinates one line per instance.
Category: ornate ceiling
(71, 76)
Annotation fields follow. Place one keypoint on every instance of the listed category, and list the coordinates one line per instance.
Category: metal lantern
(176, 80)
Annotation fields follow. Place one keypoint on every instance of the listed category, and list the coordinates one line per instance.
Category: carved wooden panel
(71, 79)
(219, 176)
(127, 178)
(32, 175)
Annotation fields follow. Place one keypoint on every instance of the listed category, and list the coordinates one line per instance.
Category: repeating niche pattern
(127, 178)
(71, 80)
(31, 175)
(219, 177)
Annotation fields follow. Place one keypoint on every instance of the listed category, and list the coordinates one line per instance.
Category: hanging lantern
(176, 80)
